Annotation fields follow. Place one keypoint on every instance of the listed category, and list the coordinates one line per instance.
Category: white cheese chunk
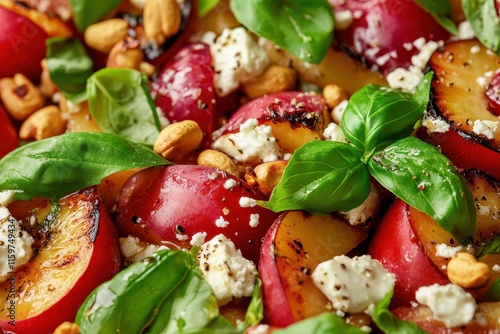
(365, 212)
(333, 132)
(353, 284)
(448, 303)
(134, 250)
(485, 128)
(254, 143)
(236, 58)
(448, 252)
(229, 274)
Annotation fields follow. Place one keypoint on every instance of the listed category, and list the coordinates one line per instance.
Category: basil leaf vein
(485, 22)
(425, 179)
(322, 177)
(57, 166)
(120, 102)
(441, 11)
(303, 27)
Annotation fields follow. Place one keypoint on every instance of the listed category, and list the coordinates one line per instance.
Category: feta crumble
(198, 239)
(485, 128)
(435, 125)
(353, 284)
(247, 202)
(333, 132)
(448, 252)
(134, 250)
(448, 303)
(365, 212)
(229, 274)
(254, 220)
(230, 184)
(221, 222)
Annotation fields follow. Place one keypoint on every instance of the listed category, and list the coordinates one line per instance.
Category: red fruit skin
(192, 197)
(272, 289)
(493, 93)
(8, 133)
(465, 151)
(23, 45)
(395, 245)
(382, 26)
(103, 265)
(184, 89)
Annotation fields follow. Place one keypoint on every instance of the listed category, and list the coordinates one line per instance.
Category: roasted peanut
(275, 78)
(178, 140)
(464, 270)
(47, 87)
(126, 54)
(162, 19)
(44, 123)
(266, 176)
(333, 95)
(67, 328)
(217, 159)
(102, 36)
(20, 97)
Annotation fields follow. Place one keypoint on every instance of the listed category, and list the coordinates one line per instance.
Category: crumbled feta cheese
(226, 270)
(221, 222)
(465, 30)
(485, 128)
(435, 125)
(15, 244)
(343, 19)
(261, 329)
(247, 202)
(407, 80)
(338, 111)
(236, 58)
(483, 210)
(254, 143)
(448, 252)
(365, 212)
(181, 237)
(333, 132)
(254, 220)
(198, 239)
(475, 49)
(496, 268)
(353, 284)
(448, 303)
(134, 250)
(230, 184)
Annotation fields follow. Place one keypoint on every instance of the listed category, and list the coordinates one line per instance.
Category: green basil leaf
(120, 102)
(323, 323)
(205, 6)
(441, 11)
(390, 324)
(491, 246)
(69, 66)
(255, 311)
(87, 12)
(303, 27)
(493, 293)
(423, 89)
(425, 179)
(376, 116)
(56, 166)
(322, 177)
(484, 20)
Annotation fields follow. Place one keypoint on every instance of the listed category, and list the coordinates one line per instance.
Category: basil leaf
(255, 311)
(425, 179)
(69, 66)
(491, 246)
(376, 116)
(484, 20)
(441, 11)
(56, 166)
(321, 177)
(205, 6)
(323, 323)
(87, 12)
(493, 293)
(303, 27)
(388, 323)
(120, 102)
(423, 89)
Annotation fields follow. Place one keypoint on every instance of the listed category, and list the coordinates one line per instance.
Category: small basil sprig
(325, 176)
(57, 166)
(491, 246)
(493, 293)
(323, 323)
(169, 295)
(87, 12)
(484, 20)
(120, 102)
(69, 66)
(303, 27)
(441, 11)
(390, 324)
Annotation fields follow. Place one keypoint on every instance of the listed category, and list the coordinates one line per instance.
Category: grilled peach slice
(294, 245)
(462, 72)
(73, 254)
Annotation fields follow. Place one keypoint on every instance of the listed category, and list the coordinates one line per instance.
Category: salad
(250, 166)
